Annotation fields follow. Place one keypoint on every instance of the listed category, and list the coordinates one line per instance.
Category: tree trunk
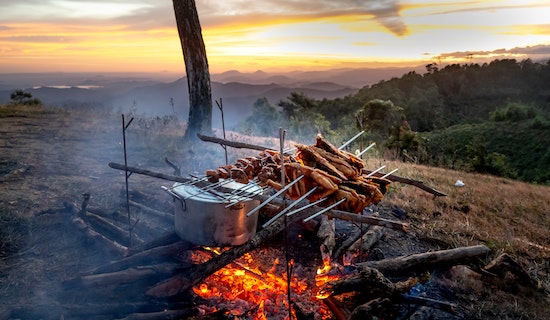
(196, 67)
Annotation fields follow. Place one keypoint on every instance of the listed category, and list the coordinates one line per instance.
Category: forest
(491, 118)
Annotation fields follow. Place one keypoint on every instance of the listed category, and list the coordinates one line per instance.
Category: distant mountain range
(157, 94)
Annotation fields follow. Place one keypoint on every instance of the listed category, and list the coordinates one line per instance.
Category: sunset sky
(269, 35)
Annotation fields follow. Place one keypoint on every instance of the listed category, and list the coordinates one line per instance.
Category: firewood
(167, 238)
(402, 264)
(150, 256)
(358, 242)
(163, 215)
(300, 313)
(505, 263)
(367, 280)
(368, 240)
(348, 242)
(374, 309)
(85, 310)
(101, 240)
(195, 275)
(326, 236)
(433, 303)
(162, 315)
(110, 230)
(339, 311)
(130, 275)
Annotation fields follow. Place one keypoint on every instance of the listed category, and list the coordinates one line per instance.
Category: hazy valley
(164, 93)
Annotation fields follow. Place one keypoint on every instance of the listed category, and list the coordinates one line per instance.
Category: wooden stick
(149, 173)
(234, 144)
(416, 183)
(402, 264)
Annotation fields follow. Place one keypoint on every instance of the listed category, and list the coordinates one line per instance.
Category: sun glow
(130, 36)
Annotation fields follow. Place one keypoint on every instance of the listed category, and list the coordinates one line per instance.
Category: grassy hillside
(526, 148)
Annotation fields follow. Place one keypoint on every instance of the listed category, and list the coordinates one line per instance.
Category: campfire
(303, 257)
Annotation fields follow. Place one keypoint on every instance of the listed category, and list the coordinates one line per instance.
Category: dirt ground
(48, 161)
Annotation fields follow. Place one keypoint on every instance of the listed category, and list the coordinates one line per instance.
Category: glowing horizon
(269, 35)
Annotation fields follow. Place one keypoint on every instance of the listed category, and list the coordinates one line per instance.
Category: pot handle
(176, 197)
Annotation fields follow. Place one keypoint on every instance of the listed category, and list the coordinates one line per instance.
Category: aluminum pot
(203, 218)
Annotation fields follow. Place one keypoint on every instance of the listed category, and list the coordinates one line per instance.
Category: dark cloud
(154, 14)
(2, 28)
(385, 12)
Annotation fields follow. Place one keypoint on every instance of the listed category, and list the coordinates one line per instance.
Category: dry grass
(507, 216)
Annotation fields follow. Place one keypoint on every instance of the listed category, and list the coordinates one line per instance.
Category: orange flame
(249, 290)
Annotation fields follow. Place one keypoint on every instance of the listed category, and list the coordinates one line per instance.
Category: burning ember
(246, 288)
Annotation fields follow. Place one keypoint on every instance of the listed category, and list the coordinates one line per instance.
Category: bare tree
(196, 66)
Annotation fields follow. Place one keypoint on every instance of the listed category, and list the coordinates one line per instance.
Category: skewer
(351, 140)
(285, 210)
(367, 149)
(306, 206)
(211, 187)
(289, 150)
(250, 184)
(274, 196)
(195, 180)
(324, 210)
(238, 195)
(389, 173)
(375, 171)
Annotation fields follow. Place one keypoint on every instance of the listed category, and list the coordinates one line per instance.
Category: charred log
(110, 230)
(99, 239)
(374, 309)
(326, 236)
(404, 264)
(171, 252)
(165, 239)
(339, 311)
(366, 280)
